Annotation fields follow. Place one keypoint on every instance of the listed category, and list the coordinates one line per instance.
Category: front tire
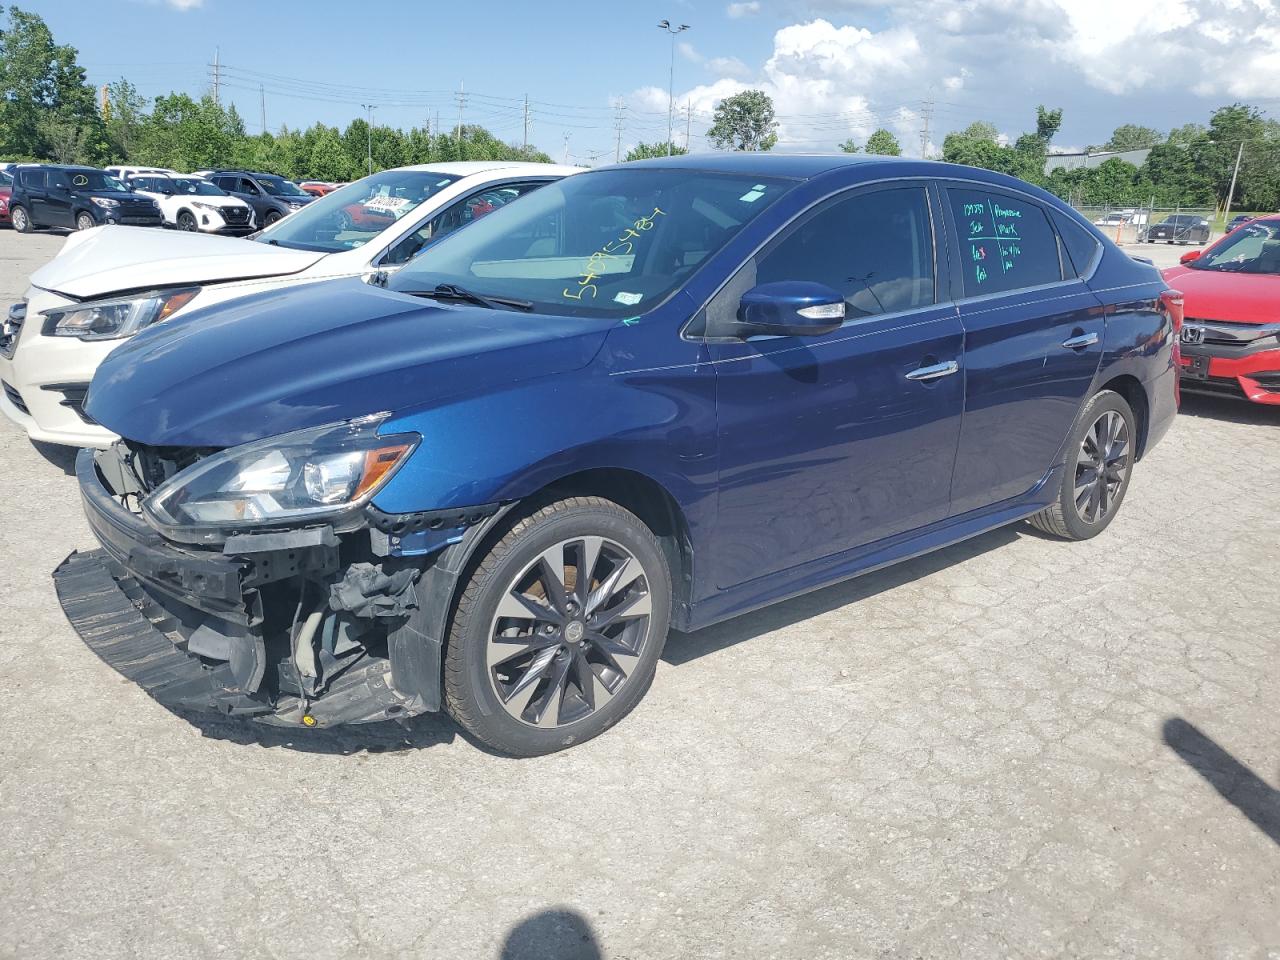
(1100, 456)
(541, 657)
(85, 222)
(271, 217)
(20, 219)
(187, 222)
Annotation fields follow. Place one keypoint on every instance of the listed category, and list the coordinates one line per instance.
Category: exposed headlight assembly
(105, 202)
(111, 319)
(321, 472)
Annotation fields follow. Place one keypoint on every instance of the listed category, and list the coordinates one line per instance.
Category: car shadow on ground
(1237, 784)
(685, 647)
(434, 729)
(64, 458)
(1228, 409)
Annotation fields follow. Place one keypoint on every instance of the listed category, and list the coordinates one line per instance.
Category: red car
(6, 188)
(358, 215)
(318, 188)
(1231, 332)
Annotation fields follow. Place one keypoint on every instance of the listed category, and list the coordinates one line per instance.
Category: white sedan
(109, 282)
(194, 204)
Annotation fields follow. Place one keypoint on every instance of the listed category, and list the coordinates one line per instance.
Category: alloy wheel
(1102, 465)
(568, 631)
(85, 222)
(19, 217)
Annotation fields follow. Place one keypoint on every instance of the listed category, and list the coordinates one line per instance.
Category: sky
(835, 68)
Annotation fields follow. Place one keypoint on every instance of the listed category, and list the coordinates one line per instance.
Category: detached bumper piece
(114, 617)
(275, 626)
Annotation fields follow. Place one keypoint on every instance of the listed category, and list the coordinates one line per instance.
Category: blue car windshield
(610, 243)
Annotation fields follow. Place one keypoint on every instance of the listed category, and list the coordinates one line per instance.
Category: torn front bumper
(203, 630)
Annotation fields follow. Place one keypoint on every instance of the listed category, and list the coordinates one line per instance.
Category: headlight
(109, 319)
(105, 201)
(205, 206)
(319, 472)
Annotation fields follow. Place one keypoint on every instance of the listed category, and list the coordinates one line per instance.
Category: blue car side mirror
(788, 308)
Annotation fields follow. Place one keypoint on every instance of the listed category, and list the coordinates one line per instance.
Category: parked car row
(77, 197)
(476, 436)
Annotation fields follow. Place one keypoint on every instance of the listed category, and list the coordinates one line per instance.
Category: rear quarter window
(1082, 247)
(1006, 242)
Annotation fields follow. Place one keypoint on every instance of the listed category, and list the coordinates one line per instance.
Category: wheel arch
(1135, 394)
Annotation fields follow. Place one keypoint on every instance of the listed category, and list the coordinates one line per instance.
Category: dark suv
(47, 195)
(271, 197)
(1180, 228)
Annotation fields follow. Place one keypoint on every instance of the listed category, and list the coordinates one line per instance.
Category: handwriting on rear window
(597, 263)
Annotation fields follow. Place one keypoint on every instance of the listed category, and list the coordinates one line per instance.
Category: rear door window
(1006, 242)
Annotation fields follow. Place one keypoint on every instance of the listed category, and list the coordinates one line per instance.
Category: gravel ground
(1015, 747)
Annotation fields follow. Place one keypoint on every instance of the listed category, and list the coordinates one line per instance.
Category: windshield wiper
(451, 291)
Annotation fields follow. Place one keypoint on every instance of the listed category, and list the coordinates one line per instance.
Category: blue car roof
(799, 166)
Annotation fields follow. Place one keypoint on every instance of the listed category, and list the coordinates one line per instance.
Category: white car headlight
(320, 472)
(105, 201)
(110, 319)
(205, 206)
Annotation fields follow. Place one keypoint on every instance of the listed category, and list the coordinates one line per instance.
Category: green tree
(1048, 122)
(744, 121)
(884, 143)
(43, 93)
(645, 151)
(849, 146)
(1132, 136)
(126, 114)
(981, 130)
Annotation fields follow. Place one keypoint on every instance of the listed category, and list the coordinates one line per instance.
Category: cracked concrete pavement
(1015, 747)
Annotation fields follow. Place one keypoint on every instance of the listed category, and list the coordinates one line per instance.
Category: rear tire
(1100, 455)
(21, 219)
(534, 665)
(85, 222)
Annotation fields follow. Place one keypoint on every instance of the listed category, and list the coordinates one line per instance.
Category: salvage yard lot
(1013, 747)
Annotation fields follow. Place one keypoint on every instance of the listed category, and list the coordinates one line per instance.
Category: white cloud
(873, 63)
(728, 67)
(747, 9)
(689, 52)
(184, 5)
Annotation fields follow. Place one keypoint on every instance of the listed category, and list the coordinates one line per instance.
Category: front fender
(509, 444)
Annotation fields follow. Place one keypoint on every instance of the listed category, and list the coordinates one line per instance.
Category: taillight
(1171, 300)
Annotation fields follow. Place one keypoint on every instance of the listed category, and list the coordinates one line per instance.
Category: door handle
(1080, 342)
(934, 372)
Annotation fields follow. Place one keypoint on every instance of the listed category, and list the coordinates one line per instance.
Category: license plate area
(1195, 368)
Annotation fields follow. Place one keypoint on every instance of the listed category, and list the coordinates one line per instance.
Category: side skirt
(755, 594)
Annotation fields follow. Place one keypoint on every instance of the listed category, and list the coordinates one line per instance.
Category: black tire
(271, 217)
(187, 221)
(85, 221)
(471, 694)
(20, 219)
(1063, 519)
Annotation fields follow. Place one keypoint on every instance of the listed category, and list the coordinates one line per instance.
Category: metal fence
(1144, 223)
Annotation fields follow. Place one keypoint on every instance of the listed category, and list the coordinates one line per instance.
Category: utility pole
(526, 123)
(926, 113)
(217, 75)
(671, 77)
(262, 103)
(461, 96)
(566, 149)
(1231, 194)
(617, 126)
(688, 123)
(369, 108)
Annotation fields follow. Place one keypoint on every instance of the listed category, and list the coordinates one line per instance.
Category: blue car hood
(320, 353)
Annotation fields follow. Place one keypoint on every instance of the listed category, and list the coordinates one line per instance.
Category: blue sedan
(650, 396)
